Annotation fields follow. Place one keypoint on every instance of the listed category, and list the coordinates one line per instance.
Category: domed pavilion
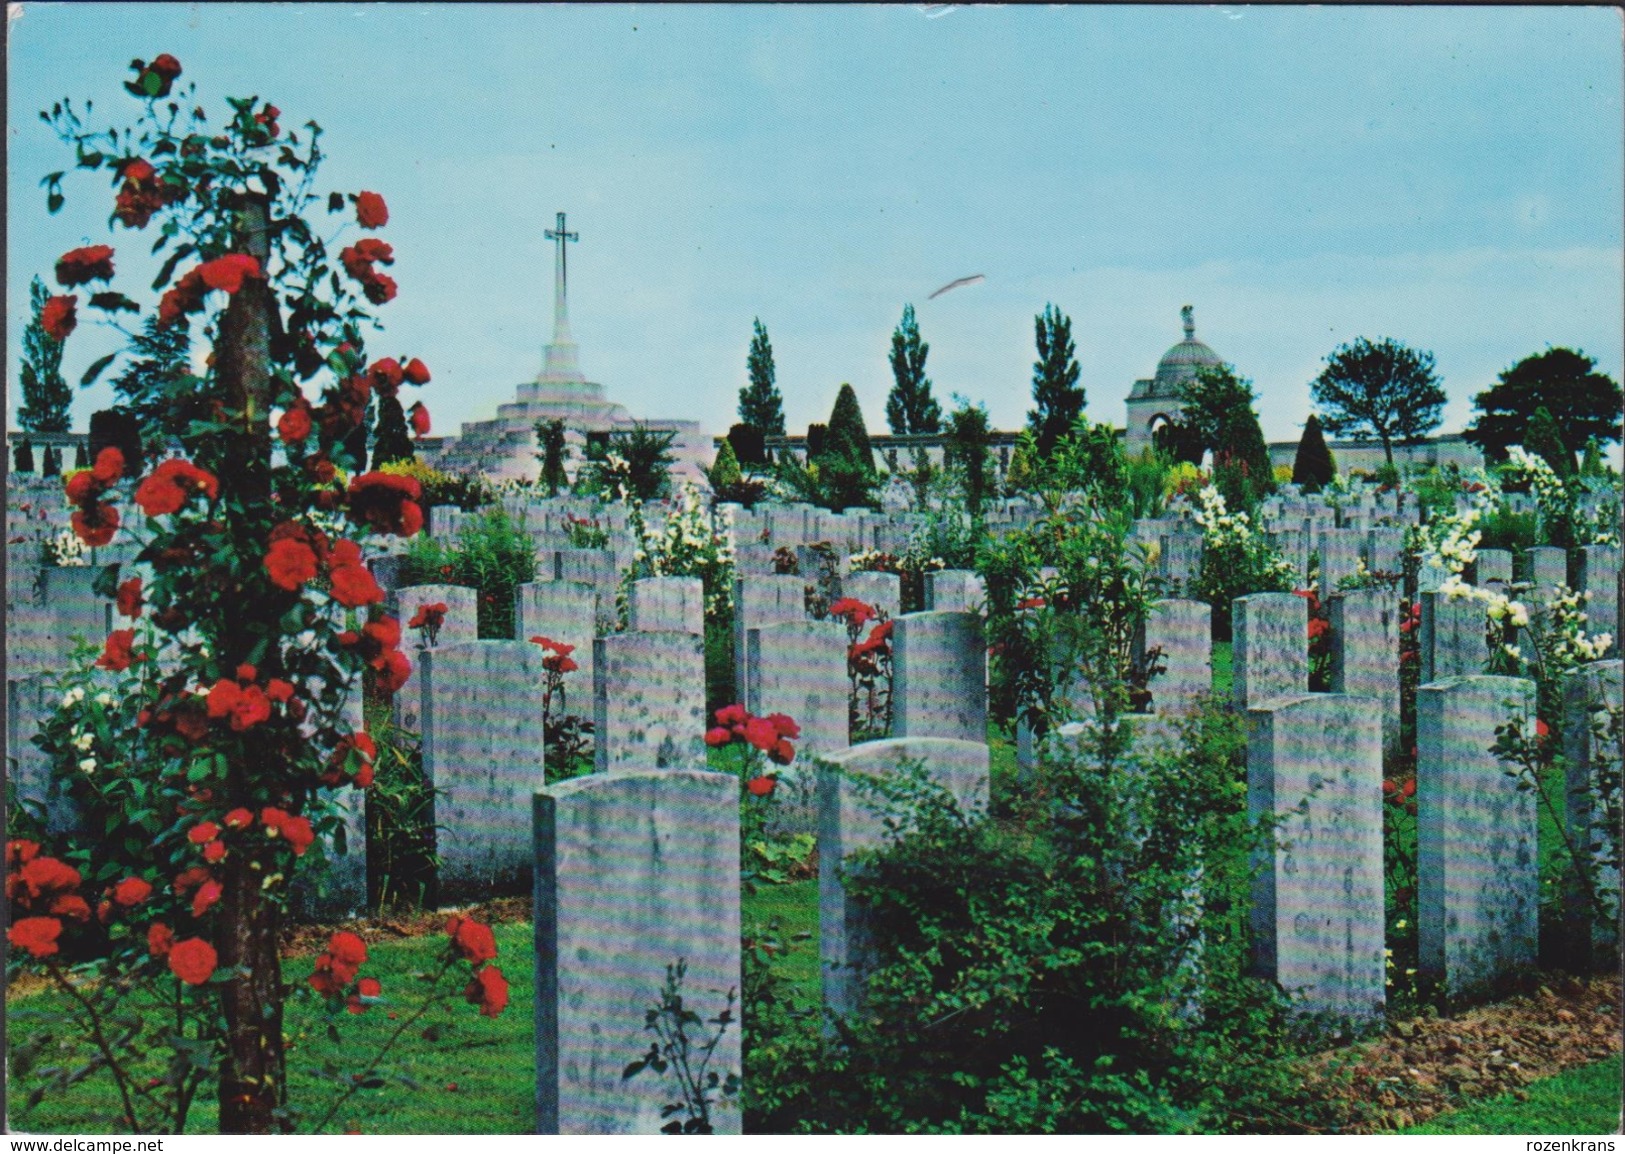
(1154, 402)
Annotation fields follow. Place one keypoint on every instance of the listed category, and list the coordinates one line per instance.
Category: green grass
(794, 906)
(1583, 1100)
(1221, 670)
(491, 1062)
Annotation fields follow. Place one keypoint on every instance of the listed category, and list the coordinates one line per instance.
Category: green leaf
(54, 202)
(95, 370)
(106, 584)
(168, 270)
(114, 302)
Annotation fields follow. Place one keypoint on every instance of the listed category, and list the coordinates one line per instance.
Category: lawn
(1583, 1100)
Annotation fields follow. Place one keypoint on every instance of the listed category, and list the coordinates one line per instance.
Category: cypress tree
(1312, 467)
(724, 472)
(22, 457)
(52, 466)
(760, 405)
(1057, 397)
(550, 435)
(391, 440)
(1545, 439)
(910, 407)
(81, 456)
(46, 396)
(847, 432)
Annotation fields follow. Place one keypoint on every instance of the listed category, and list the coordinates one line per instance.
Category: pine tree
(1312, 467)
(46, 395)
(391, 441)
(910, 408)
(1545, 439)
(847, 432)
(22, 457)
(52, 465)
(760, 405)
(724, 472)
(1057, 396)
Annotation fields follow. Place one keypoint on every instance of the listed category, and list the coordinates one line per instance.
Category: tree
(750, 448)
(847, 432)
(156, 388)
(967, 453)
(51, 465)
(910, 408)
(550, 436)
(1217, 407)
(1584, 402)
(46, 395)
(760, 405)
(1312, 468)
(1381, 390)
(1057, 397)
(254, 587)
(22, 457)
(724, 472)
(390, 439)
(635, 461)
(1544, 439)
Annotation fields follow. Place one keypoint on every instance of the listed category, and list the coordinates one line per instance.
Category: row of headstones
(638, 871)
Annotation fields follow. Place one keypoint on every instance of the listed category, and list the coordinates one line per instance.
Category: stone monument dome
(1155, 400)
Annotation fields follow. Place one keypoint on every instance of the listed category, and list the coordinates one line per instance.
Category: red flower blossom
(193, 961)
(417, 372)
(761, 786)
(346, 953)
(132, 892)
(386, 376)
(419, 416)
(370, 988)
(207, 894)
(143, 194)
(154, 81)
(721, 735)
(294, 424)
(71, 906)
(1542, 730)
(118, 654)
(782, 752)
(279, 691)
(129, 598)
(43, 876)
(380, 289)
(394, 672)
(290, 563)
(160, 939)
(489, 991)
(386, 503)
(57, 317)
(354, 585)
(239, 818)
(783, 725)
(227, 273)
(761, 733)
(83, 265)
(203, 831)
(471, 939)
(82, 487)
(370, 210)
(428, 616)
(731, 715)
(36, 935)
(168, 487)
(214, 851)
(323, 980)
(1318, 626)
(854, 612)
(96, 524)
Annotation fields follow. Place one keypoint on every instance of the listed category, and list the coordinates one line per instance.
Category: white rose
(1520, 615)
(105, 700)
(73, 697)
(88, 765)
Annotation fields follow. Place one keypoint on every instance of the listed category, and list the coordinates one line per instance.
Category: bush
(467, 491)
(493, 556)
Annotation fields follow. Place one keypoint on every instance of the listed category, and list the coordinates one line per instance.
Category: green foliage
(1380, 390)
(1088, 459)
(1545, 440)
(493, 555)
(760, 405)
(22, 457)
(1501, 528)
(156, 386)
(910, 407)
(1592, 464)
(391, 441)
(466, 491)
(1058, 399)
(634, 463)
(688, 1058)
(1580, 1100)
(967, 454)
(45, 395)
(1236, 560)
(400, 819)
(748, 445)
(1083, 971)
(848, 435)
(1143, 479)
(1584, 402)
(550, 439)
(1218, 413)
(840, 472)
(724, 472)
(52, 466)
(1312, 468)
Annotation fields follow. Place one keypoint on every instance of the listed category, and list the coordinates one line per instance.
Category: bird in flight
(953, 284)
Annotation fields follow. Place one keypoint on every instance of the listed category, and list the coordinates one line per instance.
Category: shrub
(493, 556)
(466, 491)
(1236, 560)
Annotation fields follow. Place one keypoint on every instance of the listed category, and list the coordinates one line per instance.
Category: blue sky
(1448, 177)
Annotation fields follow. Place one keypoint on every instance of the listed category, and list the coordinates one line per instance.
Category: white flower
(1513, 652)
(88, 765)
(73, 697)
(84, 741)
(105, 700)
(1520, 614)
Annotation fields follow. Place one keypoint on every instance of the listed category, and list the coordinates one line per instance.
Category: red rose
(129, 598)
(118, 654)
(47, 875)
(168, 487)
(299, 834)
(109, 466)
(227, 273)
(354, 585)
(83, 265)
(783, 725)
(96, 524)
(419, 416)
(207, 894)
(380, 289)
(202, 832)
(370, 210)
(417, 372)
(294, 425)
(159, 940)
(36, 935)
(347, 948)
(760, 733)
(370, 988)
(290, 563)
(71, 906)
(394, 672)
(720, 735)
(239, 818)
(471, 939)
(193, 961)
(386, 503)
(489, 991)
(57, 317)
(760, 786)
(782, 752)
(82, 487)
(132, 892)
(223, 698)
(386, 376)
(323, 980)
(731, 715)
(214, 851)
